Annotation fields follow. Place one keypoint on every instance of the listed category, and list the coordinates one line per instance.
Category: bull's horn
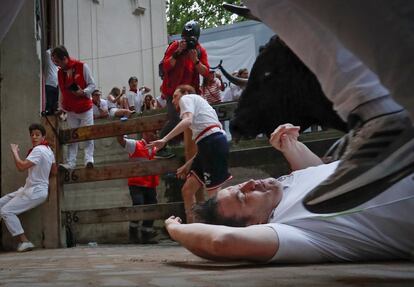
(241, 82)
(242, 11)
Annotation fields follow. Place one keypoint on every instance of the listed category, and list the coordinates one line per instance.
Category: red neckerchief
(70, 65)
(43, 142)
(134, 90)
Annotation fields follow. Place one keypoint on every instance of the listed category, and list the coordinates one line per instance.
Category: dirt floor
(168, 264)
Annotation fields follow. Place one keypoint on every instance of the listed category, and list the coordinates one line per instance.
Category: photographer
(183, 63)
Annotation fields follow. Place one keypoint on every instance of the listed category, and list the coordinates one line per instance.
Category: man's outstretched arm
(299, 156)
(217, 242)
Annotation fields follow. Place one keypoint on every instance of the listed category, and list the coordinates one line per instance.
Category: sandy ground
(168, 264)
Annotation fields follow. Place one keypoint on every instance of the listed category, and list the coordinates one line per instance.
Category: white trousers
(17, 202)
(379, 32)
(345, 80)
(80, 120)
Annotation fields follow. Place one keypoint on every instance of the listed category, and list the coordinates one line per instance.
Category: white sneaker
(25, 246)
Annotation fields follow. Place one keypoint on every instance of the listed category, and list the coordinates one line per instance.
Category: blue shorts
(210, 166)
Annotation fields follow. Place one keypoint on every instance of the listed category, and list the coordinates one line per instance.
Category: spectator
(76, 86)
(100, 106)
(183, 63)
(233, 92)
(117, 103)
(149, 103)
(40, 163)
(51, 85)
(141, 188)
(212, 87)
(135, 96)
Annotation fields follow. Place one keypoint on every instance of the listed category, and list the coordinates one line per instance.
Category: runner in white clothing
(40, 163)
(266, 220)
(209, 166)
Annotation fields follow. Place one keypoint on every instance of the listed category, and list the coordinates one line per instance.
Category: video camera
(191, 42)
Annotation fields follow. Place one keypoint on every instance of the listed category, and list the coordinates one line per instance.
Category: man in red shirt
(76, 86)
(141, 188)
(184, 62)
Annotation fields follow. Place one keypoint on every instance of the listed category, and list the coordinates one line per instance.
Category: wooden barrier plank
(121, 170)
(269, 155)
(225, 111)
(113, 128)
(122, 214)
(51, 216)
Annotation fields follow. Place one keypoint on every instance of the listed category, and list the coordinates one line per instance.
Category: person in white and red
(40, 164)
(212, 87)
(76, 86)
(141, 188)
(209, 167)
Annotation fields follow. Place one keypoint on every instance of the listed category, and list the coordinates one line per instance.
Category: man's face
(133, 84)
(60, 63)
(96, 98)
(244, 74)
(253, 200)
(176, 99)
(36, 137)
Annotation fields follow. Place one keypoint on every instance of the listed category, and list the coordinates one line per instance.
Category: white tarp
(236, 52)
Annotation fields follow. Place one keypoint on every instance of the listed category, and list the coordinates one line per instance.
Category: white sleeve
(35, 156)
(294, 246)
(129, 146)
(104, 105)
(186, 105)
(90, 83)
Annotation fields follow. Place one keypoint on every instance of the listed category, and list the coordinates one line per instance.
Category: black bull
(281, 89)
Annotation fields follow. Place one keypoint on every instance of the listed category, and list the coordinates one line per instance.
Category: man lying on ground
(265, 220)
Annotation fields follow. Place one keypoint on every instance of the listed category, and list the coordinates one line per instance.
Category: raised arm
(299, 156)
(21, 165)
(216, 242)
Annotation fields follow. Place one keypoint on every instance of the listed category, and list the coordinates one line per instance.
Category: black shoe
(381, 147)
(164, 154)
(89, 164)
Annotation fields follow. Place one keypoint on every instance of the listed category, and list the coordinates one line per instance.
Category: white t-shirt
(231, 93)
(51, 71)
(382, 228)
(42, 156)
(135, 99)
(203, 114)
(103, 105)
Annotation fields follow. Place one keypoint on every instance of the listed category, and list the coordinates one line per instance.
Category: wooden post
(51, 213)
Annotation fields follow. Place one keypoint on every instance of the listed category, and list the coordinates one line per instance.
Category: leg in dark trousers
(150, 197)
(137, 198)
(52, 97)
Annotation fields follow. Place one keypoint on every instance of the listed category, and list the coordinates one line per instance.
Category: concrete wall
(115, 40)
(20, 106)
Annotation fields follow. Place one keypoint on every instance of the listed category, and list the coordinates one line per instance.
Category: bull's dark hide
(281, 89)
